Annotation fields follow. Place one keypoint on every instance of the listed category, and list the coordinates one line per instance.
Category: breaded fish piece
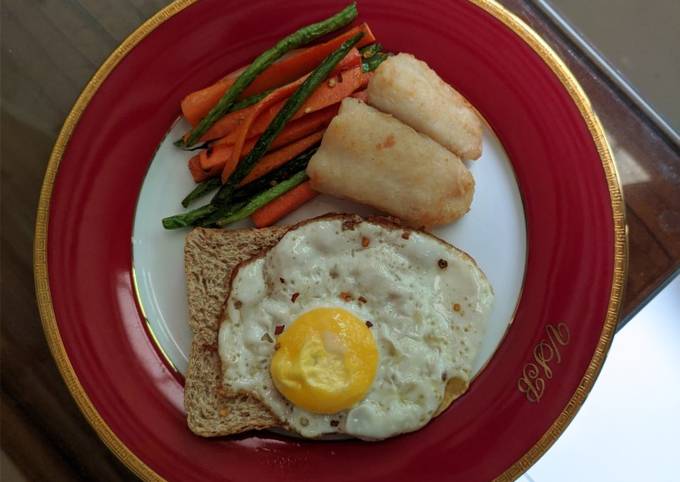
(372, 158)
(412, 92)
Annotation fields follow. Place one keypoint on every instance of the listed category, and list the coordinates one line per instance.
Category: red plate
(564, 322)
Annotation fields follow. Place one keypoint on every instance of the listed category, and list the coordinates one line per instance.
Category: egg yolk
(326, 360)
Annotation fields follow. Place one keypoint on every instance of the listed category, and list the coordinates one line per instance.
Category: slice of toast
(210, 255)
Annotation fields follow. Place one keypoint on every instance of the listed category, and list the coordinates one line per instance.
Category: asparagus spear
(221, 201)
(242, 194)
(370, 50)
(263, 198)
(297, 39)
(201, 189)
(284, 172)
(250, 191)
(371, 63)
(188, 219)
(292, 105)
(241, 104)
(372, 56)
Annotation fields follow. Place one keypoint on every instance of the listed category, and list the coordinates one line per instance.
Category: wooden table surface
(50, 48)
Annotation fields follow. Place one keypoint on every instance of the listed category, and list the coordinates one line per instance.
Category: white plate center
(493, 233)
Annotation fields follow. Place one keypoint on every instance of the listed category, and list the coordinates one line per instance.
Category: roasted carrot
(231, 121)
(278, 158)
(306, 60)
(330, 92)
(197, 172)
(242, 131)
(197, 104)
(351, 60)
(295, 130)
(283, 205)
(221, 152)
(207, 160)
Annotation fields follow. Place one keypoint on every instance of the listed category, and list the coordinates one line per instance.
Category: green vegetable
(211, 221)
(201, 190)
(371, 63)
(252, 188)
(263, 198)
(241, 104)
(292, 105)
(188, 219)
(302, 37)
(370, 50)
(248, 101)
(275, 177)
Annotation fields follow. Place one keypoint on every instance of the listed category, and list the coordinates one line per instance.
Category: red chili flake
(369, 324)
(362, 299)
(335, 423)
(406, 234)
(365, 241)
(345, 296)
(279, 329)
(442, 263)
(456, 307)
(294, 297)
(348, 225)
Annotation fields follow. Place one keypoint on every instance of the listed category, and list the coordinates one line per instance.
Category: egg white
(427, 302)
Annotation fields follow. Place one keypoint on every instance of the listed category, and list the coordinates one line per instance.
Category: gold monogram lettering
(530, 383)
(536, 372)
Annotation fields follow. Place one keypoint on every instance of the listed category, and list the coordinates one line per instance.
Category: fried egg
(354, 327)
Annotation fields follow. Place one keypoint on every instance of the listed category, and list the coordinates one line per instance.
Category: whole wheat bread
(210, 255)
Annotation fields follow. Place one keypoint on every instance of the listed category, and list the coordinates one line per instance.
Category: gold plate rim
(41, 277)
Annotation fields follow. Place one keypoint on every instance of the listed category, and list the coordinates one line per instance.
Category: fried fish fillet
(412, 92)
(372, 158)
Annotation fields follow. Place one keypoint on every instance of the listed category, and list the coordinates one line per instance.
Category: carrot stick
(232, 121)
(331, 92)
(306, 60)
(244, 128)
(197, 104)
(197, 172)
(283, 205)
(296, 130)
(352, 59)
(278, 158)
(306, 125)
